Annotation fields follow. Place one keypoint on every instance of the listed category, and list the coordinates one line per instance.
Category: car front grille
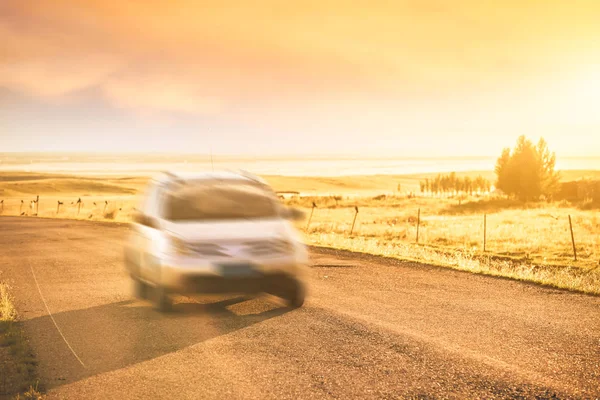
(255, 248)
(208, 249)
(266, 248)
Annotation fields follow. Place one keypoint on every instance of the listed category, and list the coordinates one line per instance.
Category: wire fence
(534, 233)
(68, 207)
(554, 237)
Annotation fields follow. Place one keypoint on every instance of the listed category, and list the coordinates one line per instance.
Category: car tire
(140, 289)
(162, 300)
(295, 296)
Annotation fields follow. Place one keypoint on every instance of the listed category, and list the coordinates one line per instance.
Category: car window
(219, 201)
(150, 201)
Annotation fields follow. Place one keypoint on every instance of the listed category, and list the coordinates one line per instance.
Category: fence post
(314, 205)
(484, 232)
(573, 238)
(354, 221)
(418, 224)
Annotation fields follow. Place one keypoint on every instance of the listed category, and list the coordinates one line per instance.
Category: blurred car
(214, 232)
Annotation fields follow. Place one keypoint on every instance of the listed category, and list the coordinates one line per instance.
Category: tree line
(526, 172)
(450, 184)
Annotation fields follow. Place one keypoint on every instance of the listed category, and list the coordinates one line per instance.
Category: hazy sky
(418, 78)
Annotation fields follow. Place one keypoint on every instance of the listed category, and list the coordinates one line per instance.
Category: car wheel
(140, 289)
(162, 300)
(296, 295)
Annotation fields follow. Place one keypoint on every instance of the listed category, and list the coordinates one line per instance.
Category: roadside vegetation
(453, 185)
(524, 241)
(17, 363)
(516, 231)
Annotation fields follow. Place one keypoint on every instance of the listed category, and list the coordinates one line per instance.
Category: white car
(214, 232)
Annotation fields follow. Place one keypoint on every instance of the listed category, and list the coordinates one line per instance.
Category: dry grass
(7, 310)
(565, 277)
(32, 393)
(17, 363)
(528, 241)
(539, 232)
(93, 207)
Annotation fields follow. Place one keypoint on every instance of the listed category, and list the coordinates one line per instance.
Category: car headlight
(283, 246)
(176, 246)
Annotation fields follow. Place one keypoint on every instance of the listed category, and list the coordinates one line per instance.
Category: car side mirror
(144, 219)
(293, 214)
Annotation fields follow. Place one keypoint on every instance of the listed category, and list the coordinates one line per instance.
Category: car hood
(229, 230)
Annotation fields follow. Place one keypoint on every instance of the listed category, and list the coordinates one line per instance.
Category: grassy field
(530, 242)
(524, 241)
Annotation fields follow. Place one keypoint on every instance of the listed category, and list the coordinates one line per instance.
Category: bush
(584, 191)
(528, 171)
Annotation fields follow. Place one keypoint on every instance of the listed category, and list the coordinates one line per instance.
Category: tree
(460, 185)
(503, 181)
(436, 184)
(453, 185)
(549, 178)
(527, 172)
(469, 185)
(452, 182)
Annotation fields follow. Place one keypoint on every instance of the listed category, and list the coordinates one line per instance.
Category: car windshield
(219, 201)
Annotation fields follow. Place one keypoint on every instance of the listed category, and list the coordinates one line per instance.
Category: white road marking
(52, 317)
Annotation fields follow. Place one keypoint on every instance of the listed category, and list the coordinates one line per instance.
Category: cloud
(210, 56)
(160, 94)
(50, 78)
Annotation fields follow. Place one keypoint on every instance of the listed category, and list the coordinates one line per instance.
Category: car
(214, 233)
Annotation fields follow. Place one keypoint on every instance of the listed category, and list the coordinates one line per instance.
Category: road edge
(418, 264)
(20, 377)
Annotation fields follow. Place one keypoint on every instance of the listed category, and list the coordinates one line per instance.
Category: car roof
(171, 176)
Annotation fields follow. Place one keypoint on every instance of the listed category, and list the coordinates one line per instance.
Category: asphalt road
(371, 328)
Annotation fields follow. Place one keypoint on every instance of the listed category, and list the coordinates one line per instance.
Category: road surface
(371, 328)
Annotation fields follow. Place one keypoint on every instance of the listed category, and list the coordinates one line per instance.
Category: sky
(394, 78)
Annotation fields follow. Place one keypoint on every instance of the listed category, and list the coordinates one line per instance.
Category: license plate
(238, 270)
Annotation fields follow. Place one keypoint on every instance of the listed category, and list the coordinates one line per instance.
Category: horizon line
(268, 156)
